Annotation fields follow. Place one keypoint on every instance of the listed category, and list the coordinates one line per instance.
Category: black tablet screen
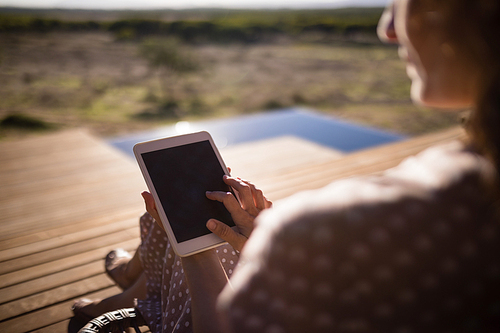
(181, 176)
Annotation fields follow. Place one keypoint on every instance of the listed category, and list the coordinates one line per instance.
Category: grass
(91, 80)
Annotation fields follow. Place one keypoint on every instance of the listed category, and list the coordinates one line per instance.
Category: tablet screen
(181, 175)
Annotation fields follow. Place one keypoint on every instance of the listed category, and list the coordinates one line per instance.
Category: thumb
(225, 232)
(149, 201)
(151, 207)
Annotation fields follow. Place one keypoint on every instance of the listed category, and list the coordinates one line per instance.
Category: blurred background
(118, 67)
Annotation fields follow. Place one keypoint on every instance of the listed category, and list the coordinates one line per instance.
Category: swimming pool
(303, 123)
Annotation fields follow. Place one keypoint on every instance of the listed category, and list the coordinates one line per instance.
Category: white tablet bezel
(194, 245)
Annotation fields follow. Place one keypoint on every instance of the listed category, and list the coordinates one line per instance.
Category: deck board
(68, 198)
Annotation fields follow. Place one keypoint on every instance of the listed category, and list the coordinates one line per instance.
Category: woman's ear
(385, 28)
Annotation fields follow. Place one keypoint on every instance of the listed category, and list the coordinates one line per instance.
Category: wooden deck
(67, 199)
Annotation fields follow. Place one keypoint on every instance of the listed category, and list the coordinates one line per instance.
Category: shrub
(168, 54)
(273, 105)
(24, 122)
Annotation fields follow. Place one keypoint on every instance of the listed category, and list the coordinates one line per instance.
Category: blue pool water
(299, 122)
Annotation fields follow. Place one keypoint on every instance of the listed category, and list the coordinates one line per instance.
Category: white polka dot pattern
(382, 254)
(167, 307)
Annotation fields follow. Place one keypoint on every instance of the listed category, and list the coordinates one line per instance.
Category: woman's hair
(474, 29)
(476, 25)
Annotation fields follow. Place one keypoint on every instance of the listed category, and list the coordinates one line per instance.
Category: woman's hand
(151, 207)
(252, 201)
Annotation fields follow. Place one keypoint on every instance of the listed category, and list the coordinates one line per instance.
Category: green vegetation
(119, 72)
(15, 23)
(172, 61)
(24, 123)
(215, 26)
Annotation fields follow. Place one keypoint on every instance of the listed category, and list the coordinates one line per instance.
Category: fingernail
(208, 192)
(225, 176)
(211, 225)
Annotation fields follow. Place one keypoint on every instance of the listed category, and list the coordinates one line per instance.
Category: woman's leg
(88, 309)
(128, 272)
(123, 268)
(134, 267)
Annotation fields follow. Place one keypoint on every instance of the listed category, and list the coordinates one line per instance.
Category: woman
(414, 250)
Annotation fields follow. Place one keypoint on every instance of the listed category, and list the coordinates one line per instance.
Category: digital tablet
(178, 172)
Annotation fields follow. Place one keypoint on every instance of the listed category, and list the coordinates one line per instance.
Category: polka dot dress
(414, 250)
(167, 307)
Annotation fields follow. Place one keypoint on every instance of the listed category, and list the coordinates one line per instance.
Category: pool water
(303, 123)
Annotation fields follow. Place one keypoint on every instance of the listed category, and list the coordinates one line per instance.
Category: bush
(222, 27)
(169, 54)
(166, 110)
(273, 105)
(198, 107)
(24, 122)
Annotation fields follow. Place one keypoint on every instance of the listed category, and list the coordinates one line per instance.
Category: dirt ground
(91, 80)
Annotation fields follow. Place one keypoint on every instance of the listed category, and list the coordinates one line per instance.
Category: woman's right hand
(252, 202)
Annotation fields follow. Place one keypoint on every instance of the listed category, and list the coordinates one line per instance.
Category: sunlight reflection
(183, 127)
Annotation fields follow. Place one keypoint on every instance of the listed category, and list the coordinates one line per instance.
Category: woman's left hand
(151, 207)
(252, 203)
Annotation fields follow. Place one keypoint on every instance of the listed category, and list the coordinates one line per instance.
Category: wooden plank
(23, 184)
(55, 266)
(69, 239)
(49, 195)
(52, 175)
(50, 315)
(43, 144)
(70, 161)
(61, 326)
(50, 281)
(400, 150)
(66, 201)
(23, 218)
(275, 156)
(359, 163)
(90, 157)
(54, 296)
(68, 250)
(90, 227)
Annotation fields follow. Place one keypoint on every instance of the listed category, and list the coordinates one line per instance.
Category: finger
(258, 196)
(222, 230)
(230, 202)
(244, 192)
(151, 207)
(149, 201)
(269, 203)
(229, 169)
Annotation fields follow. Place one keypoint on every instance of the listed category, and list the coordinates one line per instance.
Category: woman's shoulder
(372, 251)
(450, 176)
(442, 166)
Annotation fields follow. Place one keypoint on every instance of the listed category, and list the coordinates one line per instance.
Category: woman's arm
(206, 278)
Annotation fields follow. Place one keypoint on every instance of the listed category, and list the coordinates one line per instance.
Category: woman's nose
(385, 29)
